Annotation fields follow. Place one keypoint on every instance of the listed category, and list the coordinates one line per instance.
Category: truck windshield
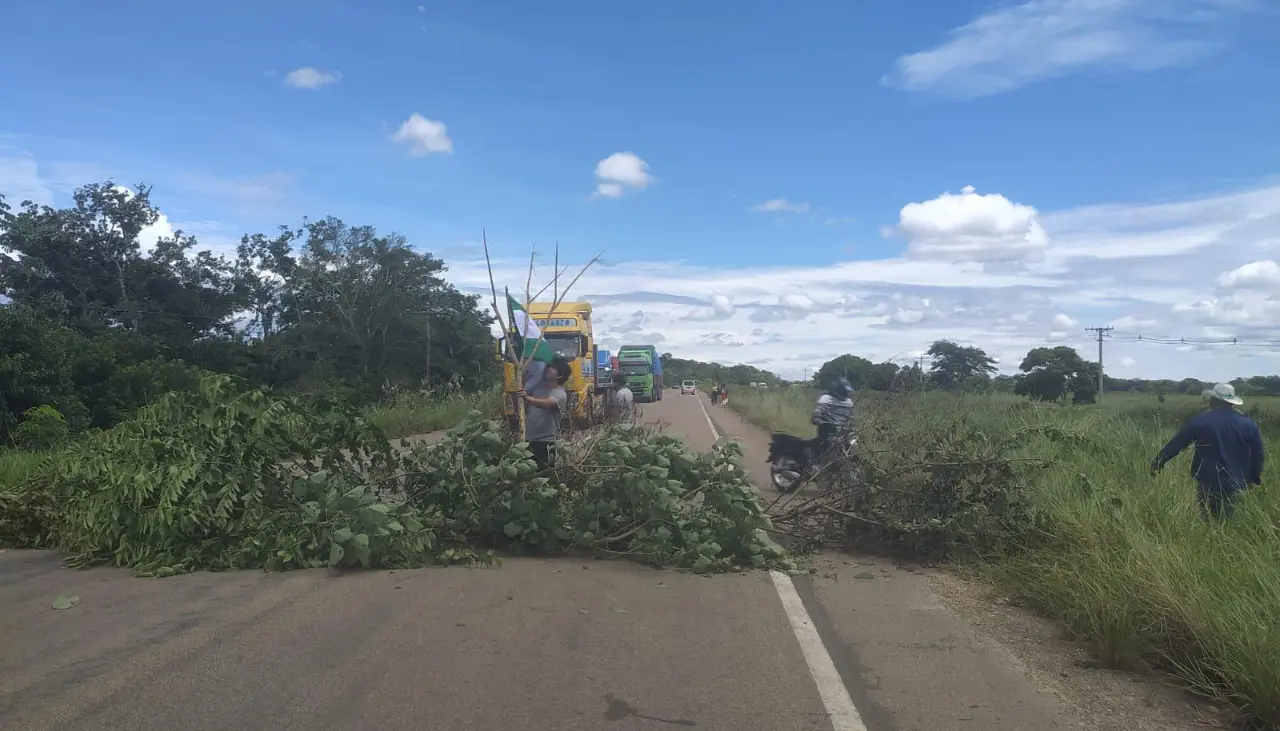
(634, 368)
(564, 344)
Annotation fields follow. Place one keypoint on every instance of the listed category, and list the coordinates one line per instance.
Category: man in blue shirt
(1228, 456)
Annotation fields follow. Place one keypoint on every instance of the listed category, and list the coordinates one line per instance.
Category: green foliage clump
(621, 491)
(227, 478)
(219, 479)
(651, 497)
(42, 427)
(954, 490)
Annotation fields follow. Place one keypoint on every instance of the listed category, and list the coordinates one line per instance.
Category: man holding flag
(529, 344)
(546, 402)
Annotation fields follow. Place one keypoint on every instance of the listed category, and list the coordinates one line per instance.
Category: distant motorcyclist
(831, 413)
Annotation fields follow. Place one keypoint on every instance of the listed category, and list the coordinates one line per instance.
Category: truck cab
(641, 368)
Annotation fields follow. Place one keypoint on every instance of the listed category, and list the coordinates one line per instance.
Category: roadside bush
(926, 481)
(131, 387)
(41, 428)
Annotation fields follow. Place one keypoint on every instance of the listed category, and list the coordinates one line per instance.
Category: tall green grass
(412, 413)
(16, 465)
(785, 410)
(1128, 563)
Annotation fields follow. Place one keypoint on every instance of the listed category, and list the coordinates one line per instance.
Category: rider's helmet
(841, 389)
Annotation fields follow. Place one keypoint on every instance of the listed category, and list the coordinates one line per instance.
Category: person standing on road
(623, 399)
(1228, 456)
(833, 410)
(546, 401)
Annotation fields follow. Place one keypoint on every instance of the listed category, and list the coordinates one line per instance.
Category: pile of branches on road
(924, 483)
(224, 478)
(621, 490)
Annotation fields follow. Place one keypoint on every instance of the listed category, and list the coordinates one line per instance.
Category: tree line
(675, 370)
(96, 325)
(1044, 374)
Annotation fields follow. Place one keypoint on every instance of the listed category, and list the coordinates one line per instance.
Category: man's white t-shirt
(623, 397)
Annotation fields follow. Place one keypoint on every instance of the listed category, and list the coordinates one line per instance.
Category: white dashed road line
(835, 696)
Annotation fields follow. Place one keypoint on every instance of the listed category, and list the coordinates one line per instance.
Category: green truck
(641, 369)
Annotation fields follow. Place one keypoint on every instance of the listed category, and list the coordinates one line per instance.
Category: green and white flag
(529, 333)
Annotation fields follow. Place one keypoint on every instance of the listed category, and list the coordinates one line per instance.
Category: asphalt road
(537, 644)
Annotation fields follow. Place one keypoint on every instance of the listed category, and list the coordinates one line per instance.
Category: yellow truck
(567, 330)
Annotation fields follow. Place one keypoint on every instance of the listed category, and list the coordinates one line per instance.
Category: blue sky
(762, 157)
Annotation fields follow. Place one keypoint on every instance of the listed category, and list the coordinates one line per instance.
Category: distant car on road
(688, 388)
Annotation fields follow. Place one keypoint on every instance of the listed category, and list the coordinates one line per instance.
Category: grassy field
(412, 413)
(15, 465)
(1128, 563)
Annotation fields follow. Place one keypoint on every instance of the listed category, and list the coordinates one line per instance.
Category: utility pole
(1101, 332)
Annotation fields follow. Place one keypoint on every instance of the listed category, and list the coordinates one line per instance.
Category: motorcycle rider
(831, 413)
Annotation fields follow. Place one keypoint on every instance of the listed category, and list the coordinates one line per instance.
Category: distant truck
(641, 368)
(606, 366)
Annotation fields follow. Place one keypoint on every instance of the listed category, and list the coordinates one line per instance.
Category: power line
(1157, 340)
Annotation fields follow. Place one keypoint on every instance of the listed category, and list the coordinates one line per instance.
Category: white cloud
(1128, 362)
(267, 191)
(906, 317)
(973, 227)
(311, 78)
(1129, 322)
(718, 307)
(1246, 311)
(20, 180)
(796, 302)
(1254, 275)
(609, 190)
(423, 136)
(786, 318)
(1012, 46)
(781, 205)
(619, 172)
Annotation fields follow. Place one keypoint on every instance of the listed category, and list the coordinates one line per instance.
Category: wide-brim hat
(1224, 392)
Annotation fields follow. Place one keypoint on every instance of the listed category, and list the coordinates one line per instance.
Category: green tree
(957, 367)
(855, 368)
(883, 377)
(363, 309)
(97, 324)
(1048, 371)
(1051, 373)
(912, 378)
(85, 266)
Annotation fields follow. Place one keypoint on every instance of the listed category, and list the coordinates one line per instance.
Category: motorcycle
(792, 460)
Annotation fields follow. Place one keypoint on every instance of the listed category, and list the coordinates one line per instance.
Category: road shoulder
(922, 648)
